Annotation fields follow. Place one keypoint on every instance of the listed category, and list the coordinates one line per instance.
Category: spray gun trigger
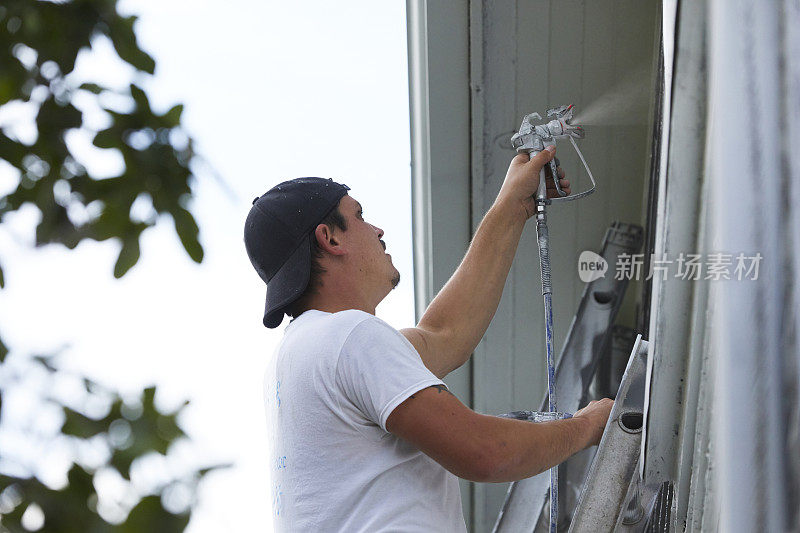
(554, 174)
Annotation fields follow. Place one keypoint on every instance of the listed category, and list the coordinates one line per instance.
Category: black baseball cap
(276, 235)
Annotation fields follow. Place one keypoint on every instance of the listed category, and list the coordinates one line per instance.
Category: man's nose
(378, 230)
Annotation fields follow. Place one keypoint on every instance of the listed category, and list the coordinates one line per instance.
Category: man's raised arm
(458, 316)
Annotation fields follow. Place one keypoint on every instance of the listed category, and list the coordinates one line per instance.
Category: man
(366, 435)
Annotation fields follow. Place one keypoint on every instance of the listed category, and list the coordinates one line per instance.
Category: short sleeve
(378, 369)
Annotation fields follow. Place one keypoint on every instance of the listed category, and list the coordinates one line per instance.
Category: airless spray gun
(532, 139)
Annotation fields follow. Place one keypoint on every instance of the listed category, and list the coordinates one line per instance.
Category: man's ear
(328, 240)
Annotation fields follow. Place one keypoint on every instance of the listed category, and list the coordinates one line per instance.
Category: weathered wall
(475, 69)
(528, 56)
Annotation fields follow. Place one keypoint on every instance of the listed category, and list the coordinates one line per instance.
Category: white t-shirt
(334, 466)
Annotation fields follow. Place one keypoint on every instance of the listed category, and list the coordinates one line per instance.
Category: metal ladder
(588, 337)
(614, 496)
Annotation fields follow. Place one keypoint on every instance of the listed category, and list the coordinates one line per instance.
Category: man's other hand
(597, 412)
(489, 448)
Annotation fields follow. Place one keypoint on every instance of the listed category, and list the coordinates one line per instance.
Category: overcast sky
(273, 90)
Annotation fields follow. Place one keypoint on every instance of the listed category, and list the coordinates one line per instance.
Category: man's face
(365, 246)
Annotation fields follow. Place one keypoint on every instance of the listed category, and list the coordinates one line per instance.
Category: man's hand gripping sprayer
(531, 139)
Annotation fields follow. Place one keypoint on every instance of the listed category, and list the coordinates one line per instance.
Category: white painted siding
(522, 57)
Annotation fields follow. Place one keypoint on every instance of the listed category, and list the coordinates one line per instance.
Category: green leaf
(3, 351)
(173, 116)
(222, 466)
(187, 230)
(122, 460)
(107, 139)
(13, 79)
(128, 256)
(140, 97)
(80, 481)
(53, 119)
(2, 278)
(12, 151)
(80, 425)
(46, 361)
(92, 88)
(58, 31)
(124, 40)
(149, 398)
(150, 515)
